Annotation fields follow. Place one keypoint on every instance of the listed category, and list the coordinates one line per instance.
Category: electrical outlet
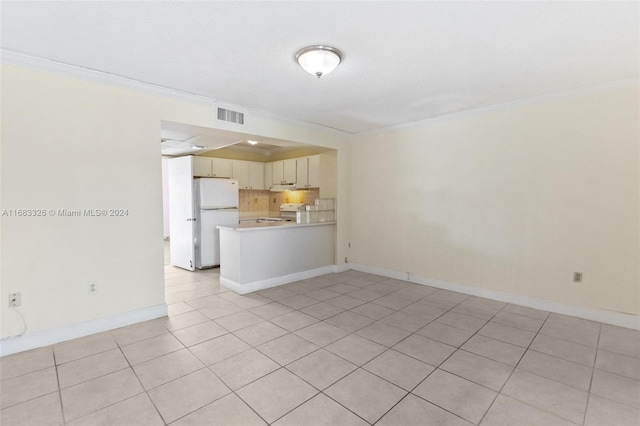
(577, 277)
(15, 300)
(93, 287)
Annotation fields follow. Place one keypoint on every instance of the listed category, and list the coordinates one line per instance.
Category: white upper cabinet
(202, 167)
(268, 175)
(284, 171)
(211, 167)
(256, 176)
(241, 173)
(289, 171)
(302, 169)
(278, 172)
(221, 168)
(250, 174)
(313, 175)
(308, 172)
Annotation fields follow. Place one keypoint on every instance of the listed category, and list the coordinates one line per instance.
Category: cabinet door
(289, 171)
(202, 167)
(313, 172)
(278, 172)
(256, 175)
(268, 175)
(221, 167)
(302, 168)
(241, 172)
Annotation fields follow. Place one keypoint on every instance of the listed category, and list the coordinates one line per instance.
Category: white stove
(269, 219)
(288, 211)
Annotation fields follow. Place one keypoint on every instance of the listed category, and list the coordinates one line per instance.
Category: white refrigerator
(215, 204)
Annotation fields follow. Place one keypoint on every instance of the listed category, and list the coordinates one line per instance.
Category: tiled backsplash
(307, 196)
(254, 201)
(267, 201)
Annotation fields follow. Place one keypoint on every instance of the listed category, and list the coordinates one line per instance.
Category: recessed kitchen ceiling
(180, 139)
(402, 61)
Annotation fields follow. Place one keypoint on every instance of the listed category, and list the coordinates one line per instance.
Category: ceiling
(402, 61)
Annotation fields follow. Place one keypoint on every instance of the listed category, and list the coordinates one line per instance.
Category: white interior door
(181, 216)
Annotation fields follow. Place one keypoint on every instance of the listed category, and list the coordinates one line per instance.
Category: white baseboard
(593, 314)
(39, 339)
(344, 267)
(276, 281)
(389, 273)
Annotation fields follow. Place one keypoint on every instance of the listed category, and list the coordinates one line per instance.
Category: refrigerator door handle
(220, 208)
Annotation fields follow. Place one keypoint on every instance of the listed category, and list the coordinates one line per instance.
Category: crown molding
(549, 97)
(87, 74)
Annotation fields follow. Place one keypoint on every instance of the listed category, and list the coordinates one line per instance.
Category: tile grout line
(513, 370)
(391, 348)
(55, 364)
(144, 390)
(516, 366)
(323, 347)
(445, 360)
(593, 372)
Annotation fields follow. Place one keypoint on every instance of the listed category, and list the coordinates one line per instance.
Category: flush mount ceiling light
(319, 60)
(253, 142)
(197, 147)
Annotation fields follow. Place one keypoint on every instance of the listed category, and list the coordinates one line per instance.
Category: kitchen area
(263, 223)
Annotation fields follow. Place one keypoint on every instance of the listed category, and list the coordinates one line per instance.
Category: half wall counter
(258, 256)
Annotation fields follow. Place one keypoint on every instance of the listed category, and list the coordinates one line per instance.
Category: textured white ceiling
(403, 61)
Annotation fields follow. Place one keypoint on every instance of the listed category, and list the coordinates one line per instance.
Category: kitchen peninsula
(257, 256)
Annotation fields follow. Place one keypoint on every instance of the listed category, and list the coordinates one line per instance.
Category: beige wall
(513, 200)
(71, 144)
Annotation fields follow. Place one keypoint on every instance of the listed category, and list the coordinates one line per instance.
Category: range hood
(284, 187)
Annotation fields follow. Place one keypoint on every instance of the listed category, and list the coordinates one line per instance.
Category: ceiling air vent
(231, 116)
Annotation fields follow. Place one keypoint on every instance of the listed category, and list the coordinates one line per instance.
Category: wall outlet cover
(15, 300)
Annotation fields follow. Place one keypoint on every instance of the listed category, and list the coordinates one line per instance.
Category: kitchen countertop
(254, 217)
(252, 226)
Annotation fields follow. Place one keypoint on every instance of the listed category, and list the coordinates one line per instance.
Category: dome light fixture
(319, 60)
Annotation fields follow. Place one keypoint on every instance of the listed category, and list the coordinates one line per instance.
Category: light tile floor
(341, 349)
